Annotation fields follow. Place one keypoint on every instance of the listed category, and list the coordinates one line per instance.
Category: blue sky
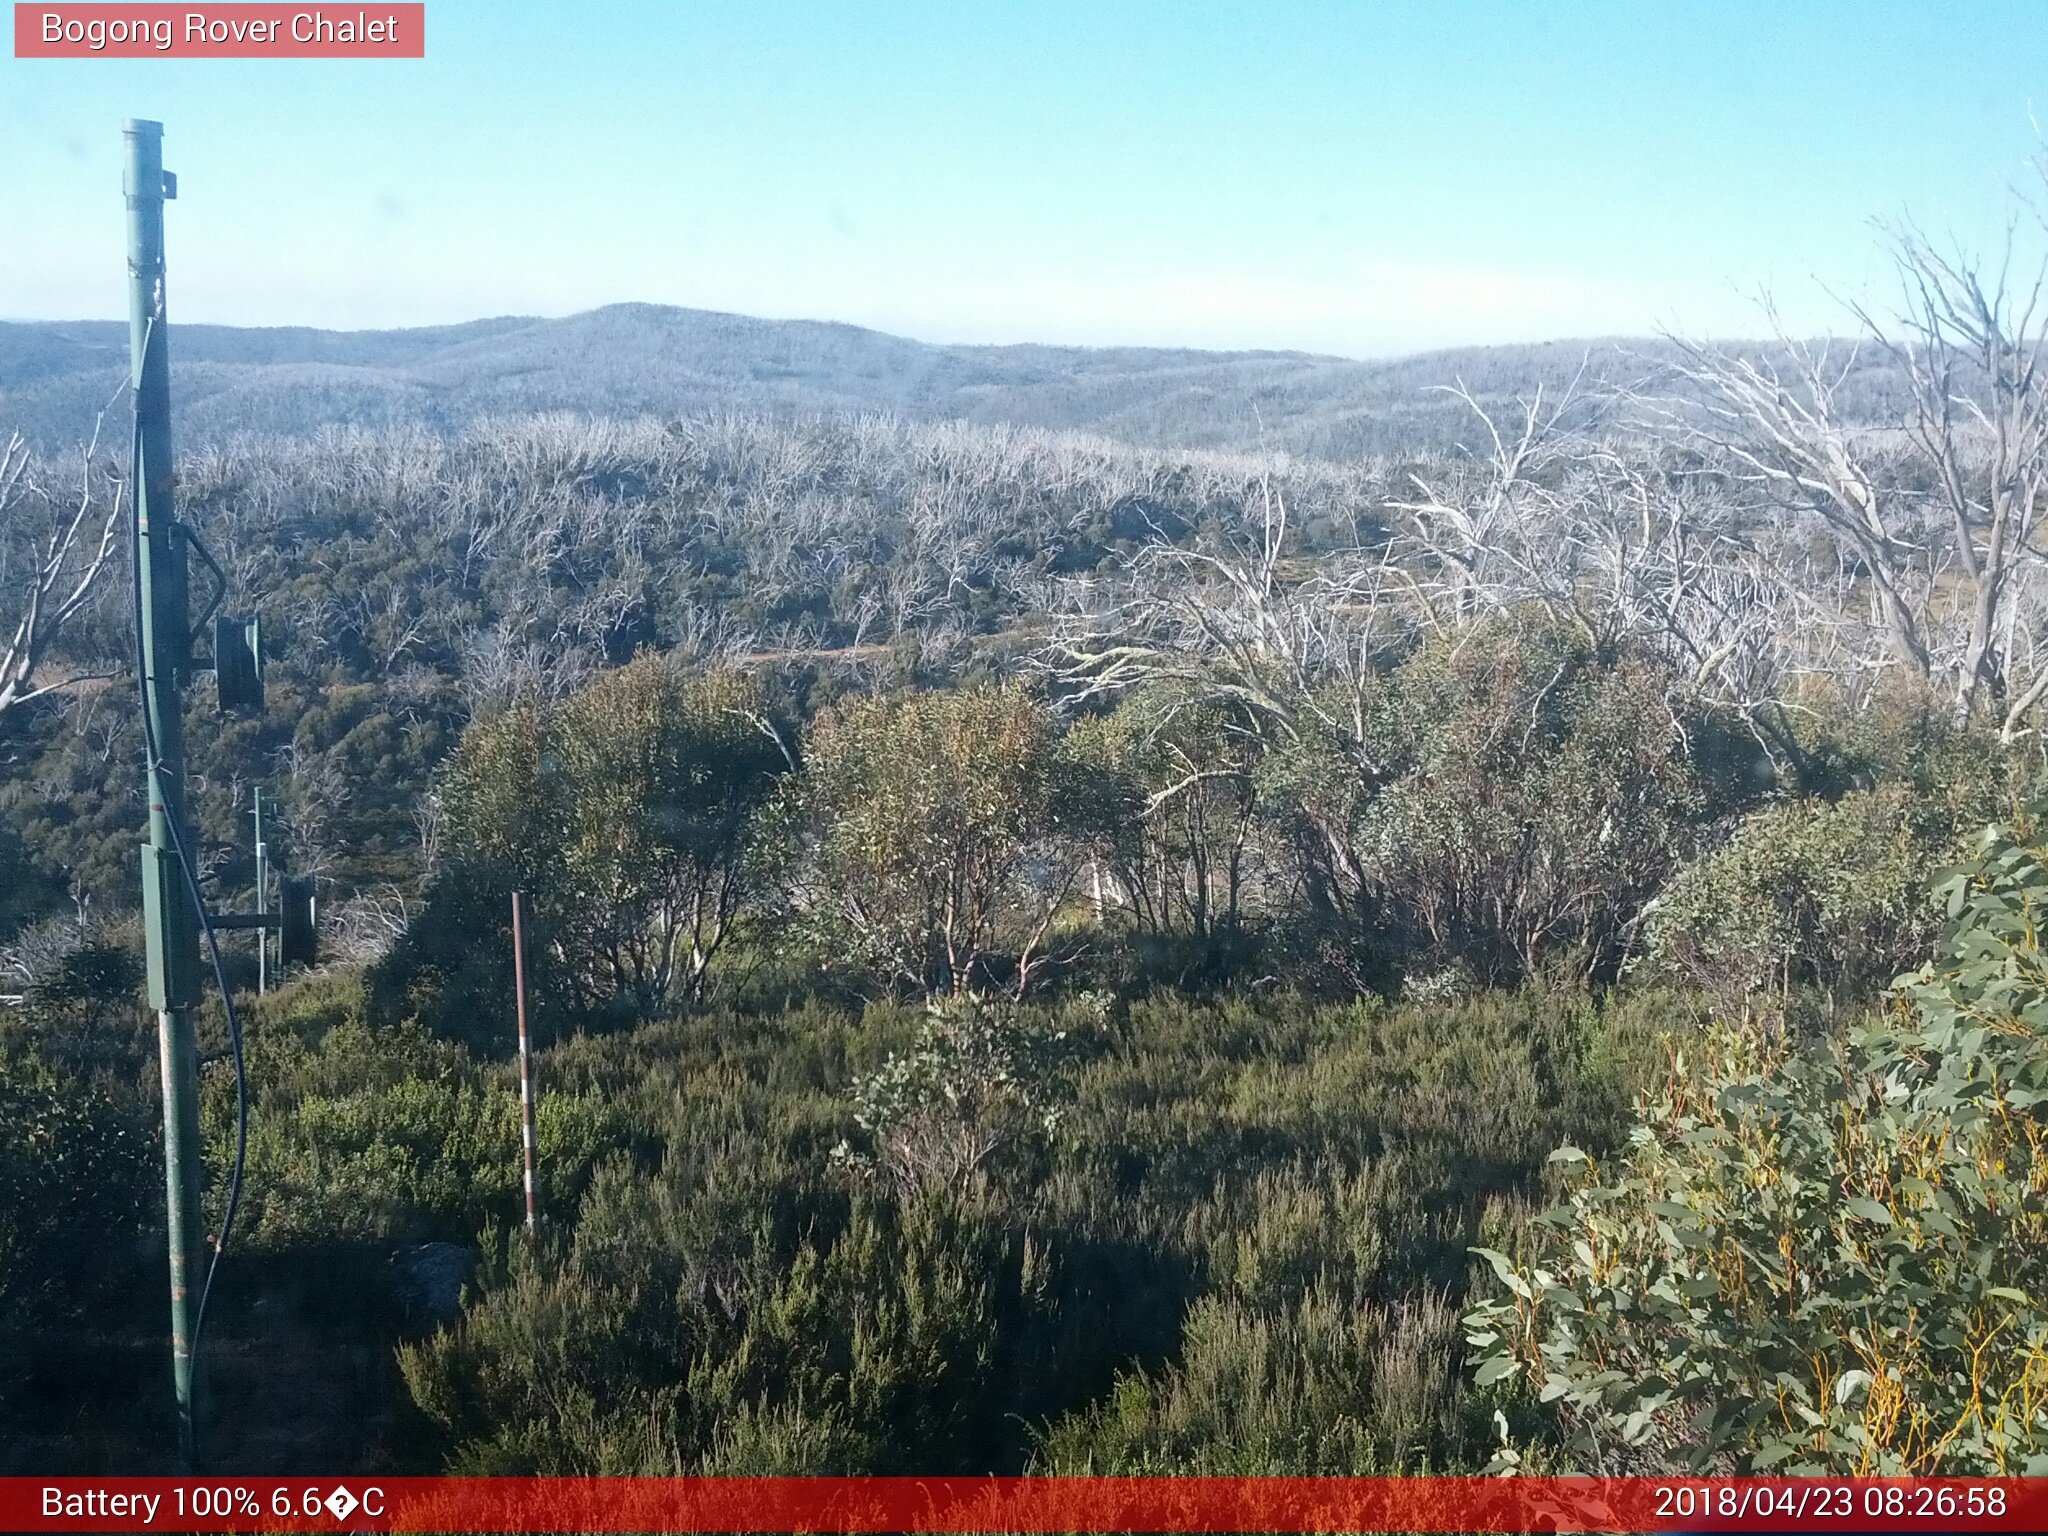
(1355, 178)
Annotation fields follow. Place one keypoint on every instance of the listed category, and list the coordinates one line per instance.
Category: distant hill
(635, 359)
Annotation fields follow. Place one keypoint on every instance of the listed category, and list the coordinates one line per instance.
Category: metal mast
(164, 619)
(262, 894)
(529, 1142)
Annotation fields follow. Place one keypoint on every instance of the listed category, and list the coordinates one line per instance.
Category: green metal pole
(262, 895)
(171, 926)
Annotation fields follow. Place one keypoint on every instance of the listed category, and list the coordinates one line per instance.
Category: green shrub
(1176, 823)
(694, 1325)
(940, 837)
(376, 1133)
(417, 1157)
(1906, 733)
(1828, 894)
(1827, 1258)
(91, 985)
(1254, 1190)
(1505, 803)
(977, 1090)
(84, 1012)
(1322, 1386)
(72, 1166)
(629, 817)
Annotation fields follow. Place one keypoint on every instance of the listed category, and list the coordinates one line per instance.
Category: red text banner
(226, 31)
(1164, 1504)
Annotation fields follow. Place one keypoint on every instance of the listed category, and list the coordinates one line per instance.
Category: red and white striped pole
(525, 1058)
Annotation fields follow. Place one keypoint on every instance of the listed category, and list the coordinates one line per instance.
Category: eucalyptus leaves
(979, 1088)
(1826, 1258)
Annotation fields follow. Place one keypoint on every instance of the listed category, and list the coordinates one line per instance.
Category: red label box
(371, 30)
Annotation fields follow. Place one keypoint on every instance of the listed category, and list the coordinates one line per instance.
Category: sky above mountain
(1350, 178)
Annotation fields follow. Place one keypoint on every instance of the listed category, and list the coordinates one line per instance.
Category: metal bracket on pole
(238, 662)
(198, 547)
(298, 941)
(172, 969)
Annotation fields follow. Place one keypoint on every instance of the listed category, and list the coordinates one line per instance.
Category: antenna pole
(262, 894)
(526, 1130)
(171, 926)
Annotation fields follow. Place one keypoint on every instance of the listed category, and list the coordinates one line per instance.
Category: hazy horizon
(1360, 182)
(1614, 339)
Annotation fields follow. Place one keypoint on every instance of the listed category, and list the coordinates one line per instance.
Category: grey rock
(427, 1281)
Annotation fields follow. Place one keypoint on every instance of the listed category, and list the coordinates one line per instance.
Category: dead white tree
(1487, 531)
(1240, 620)
(53, 550)
(1938, 514)
(1979, 418)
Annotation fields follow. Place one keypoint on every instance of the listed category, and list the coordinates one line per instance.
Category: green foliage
(1158, 1234)
(364, 1132)
(500, 799)
(1828, 893)
(27, 883)
(1174, 783)
(503, 832)
(661, 775)
(1248, 1211)
(72, 1164)
(1905, 734)
(1820, 1258)
(1318, 1387)
(1505, 801)
(933, 823)
(690, 1328)
(629, 815)
(88, 987)
(976, 1091)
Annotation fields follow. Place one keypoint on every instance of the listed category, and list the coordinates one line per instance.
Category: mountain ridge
(635, 359)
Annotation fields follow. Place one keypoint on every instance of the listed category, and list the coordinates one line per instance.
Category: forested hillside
(1058, 951)
(640, 359)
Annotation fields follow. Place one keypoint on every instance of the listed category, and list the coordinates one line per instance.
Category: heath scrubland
(1051, 954)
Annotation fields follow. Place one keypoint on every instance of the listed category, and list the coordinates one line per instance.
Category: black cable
(155, 767)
